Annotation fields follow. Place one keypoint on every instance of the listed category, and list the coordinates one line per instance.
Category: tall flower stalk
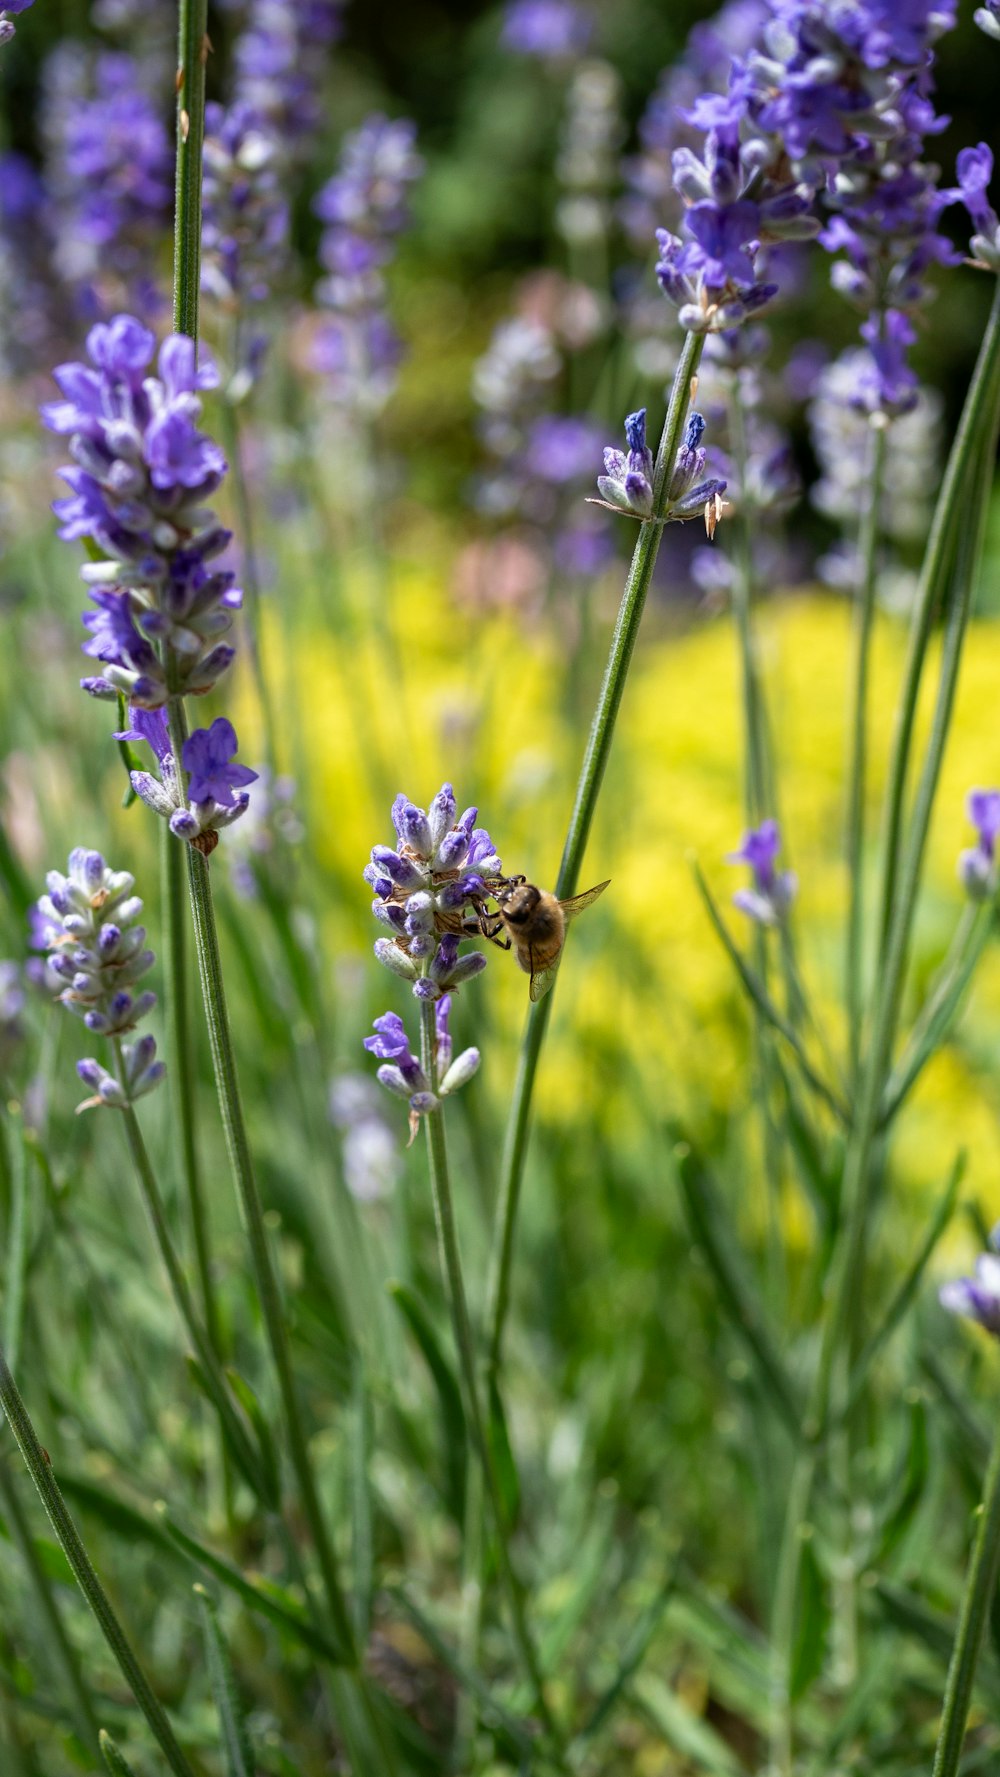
(588, 791)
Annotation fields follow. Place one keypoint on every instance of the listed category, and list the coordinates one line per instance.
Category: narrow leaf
(633, 1654)
(448, 1392)
(711, 1227)
(236, 1744)
(812, 1620)
(115, 1760)
(362, 1535)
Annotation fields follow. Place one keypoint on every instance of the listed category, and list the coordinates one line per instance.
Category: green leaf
(115, 1760)
(910, 1284)
(269, 1458)
(235, 1742)
(362, 1534)
(449, 1395)
(684, 1732)
(270, 1602)
(812, 1620)
(910, 1490)
(711, 1228)
(633, 1654)
(503, 1455)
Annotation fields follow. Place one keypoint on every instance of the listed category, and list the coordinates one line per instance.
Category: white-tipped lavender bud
(460, 1072)
(391, 957)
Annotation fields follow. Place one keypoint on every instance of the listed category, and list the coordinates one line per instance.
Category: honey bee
(534, 923)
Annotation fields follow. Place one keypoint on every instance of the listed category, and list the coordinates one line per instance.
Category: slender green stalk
(65, 1652)
(980, 1593)
(265, 1276)
(980, 404)
(192, 52)
(192, 55)
(180, 1078)
(786, 1585)
(197, 1332)
(451, 1267)
(588, 790)
(864, 614)
(17, 1236)
(39, 1467)
(975, 929)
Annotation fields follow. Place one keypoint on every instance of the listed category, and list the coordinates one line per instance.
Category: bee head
(518, 904)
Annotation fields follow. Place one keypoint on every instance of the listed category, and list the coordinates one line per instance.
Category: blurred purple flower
(773, 891)
(552, 30)
(209, 755)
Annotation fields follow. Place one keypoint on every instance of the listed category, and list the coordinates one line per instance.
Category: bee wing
(577, 903)
(542, 979)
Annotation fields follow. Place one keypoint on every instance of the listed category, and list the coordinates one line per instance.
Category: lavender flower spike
(977, 1297)
(988, 18)
(771, 896)
(141, 478)
(216, 795)
(427, 890)
(977, 868)
(7, 15)
(627, 484)
(975, 170)
(402, 1074)
(87, 923)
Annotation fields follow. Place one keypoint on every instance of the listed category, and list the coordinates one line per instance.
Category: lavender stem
(587, 792)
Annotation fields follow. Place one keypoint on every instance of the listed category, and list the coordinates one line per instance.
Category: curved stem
(192, 55)
(47, 1606)
(215, 1381)
(587, 792)
(946, 526)
(180, 1078)
(857, 778)
(451, 1267)
(192, 51)
(39, 1467)
(265, 1276)
(980, 1592)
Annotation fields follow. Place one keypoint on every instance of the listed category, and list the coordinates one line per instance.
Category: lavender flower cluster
(8, 14)
(141, 476)
(88, 924)
(245, 212)
(425, 886)
(280, 65)
(627, 482)
(364, 208)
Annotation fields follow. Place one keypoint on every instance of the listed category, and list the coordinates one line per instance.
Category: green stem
(759, 789)
(181, 1075)
(975, 929)
(192, 55)
(40, 1468)
(87, 1724)
(197, 1333)
(17, 1236)
(782, 1762)
(451, 1267)
(946, 526)
(980, 1593)
(587, 792)
(858, 770)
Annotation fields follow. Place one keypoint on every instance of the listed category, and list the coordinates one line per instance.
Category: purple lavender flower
(141, 477)
(245, 216)
(977, 1297)
(112, 172)
(988, 18)
(977, 867)
(87, 923)
(627, 484)
(975, 170)
(441, 869)
(280, 65)
(370, 1149)
(8, 13)
(364, 206)
(552, 30)
(773, 891)
(401, 1072)
(561, 448)
(208, 755)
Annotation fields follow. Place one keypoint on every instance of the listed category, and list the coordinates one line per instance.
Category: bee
(534, 925)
